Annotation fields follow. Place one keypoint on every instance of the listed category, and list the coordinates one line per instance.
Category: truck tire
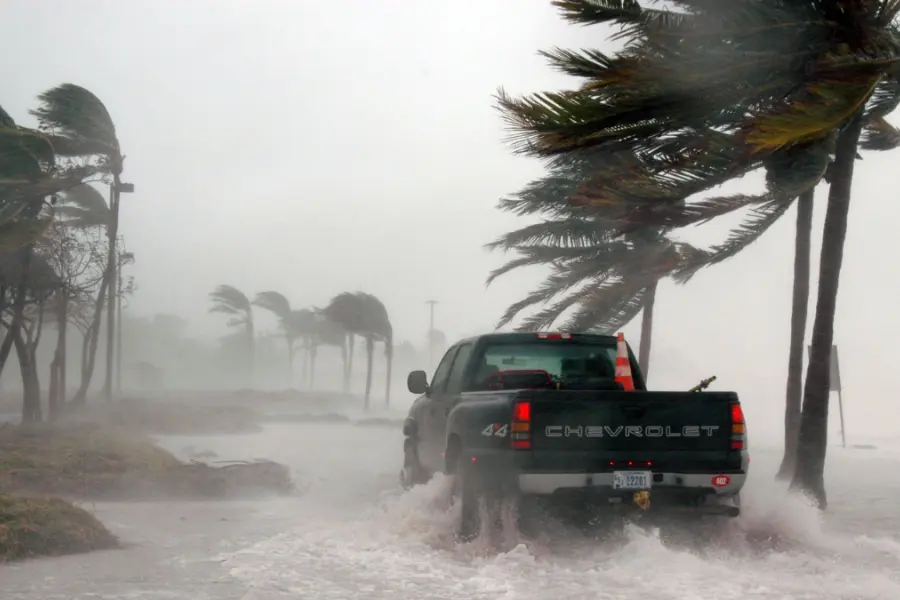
(479, 497)
(412, 473)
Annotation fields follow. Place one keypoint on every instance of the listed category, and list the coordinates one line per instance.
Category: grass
(88, 460)
(31, 527)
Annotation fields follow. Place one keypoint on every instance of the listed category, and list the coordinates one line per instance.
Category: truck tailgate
(618, 423)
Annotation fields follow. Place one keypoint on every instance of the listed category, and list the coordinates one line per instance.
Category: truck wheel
(412, 473)
(479, 498)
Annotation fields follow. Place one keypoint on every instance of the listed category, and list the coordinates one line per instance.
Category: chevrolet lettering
(650, 431)
(563, 423)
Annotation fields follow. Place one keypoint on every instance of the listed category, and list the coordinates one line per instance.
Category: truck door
(451, 394)
(430, 443)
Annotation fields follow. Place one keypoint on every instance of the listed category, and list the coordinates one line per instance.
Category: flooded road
(351, 534)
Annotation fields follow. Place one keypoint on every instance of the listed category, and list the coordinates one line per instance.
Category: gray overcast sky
(315, 147)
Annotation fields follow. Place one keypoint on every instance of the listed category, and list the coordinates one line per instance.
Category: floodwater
(351, 534)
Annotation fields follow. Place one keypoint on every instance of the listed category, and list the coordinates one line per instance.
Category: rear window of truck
(572, 362)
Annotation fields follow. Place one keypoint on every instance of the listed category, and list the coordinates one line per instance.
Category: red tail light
(737, 413)
(520, 427)
(738, 427)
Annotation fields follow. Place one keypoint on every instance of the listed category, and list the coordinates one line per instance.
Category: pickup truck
(543, 416)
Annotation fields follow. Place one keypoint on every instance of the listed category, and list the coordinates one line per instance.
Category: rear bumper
(546, 484)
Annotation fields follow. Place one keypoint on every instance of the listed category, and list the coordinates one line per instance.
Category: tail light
(738, 427)
(520, 427)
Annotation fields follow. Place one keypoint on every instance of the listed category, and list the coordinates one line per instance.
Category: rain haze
(315, 148)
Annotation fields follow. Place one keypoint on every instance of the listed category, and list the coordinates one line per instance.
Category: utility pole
(116, 188)
(431, 304)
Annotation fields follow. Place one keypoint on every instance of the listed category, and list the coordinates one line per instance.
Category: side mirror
(417, 382)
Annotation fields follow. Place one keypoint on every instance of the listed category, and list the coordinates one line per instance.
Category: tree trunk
(313, 351)
(813, 439)
(389, 355)
(290, 371)
(53, 395)
(344, 361)
(91, 339)
(348, 376)
(370, 351)
(63, 320)
(647, 330)
(31, 389)
(799, 309)
(18, 307)
(251, 352)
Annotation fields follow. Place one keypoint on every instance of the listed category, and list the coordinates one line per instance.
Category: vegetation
(37, 526)
(91, 460)
(709, 92)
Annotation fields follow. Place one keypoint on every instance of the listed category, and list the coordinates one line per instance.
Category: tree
(707, 95)
(607, 278)
(280, 306)
(82, 126)
(82, 209)
(231, 301)
(363, 314)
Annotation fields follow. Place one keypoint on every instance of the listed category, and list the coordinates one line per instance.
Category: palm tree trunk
(88, 364)
(251, 353)
(799, 310)
(370, 351)
(647, 330)
(344, 361)
(348, 376)
(313, 351)
(389, 355)
(813, 439)
(290, 371)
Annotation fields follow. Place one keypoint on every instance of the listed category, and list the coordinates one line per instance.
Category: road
(352, 535)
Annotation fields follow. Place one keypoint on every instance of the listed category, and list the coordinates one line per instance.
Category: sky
(319, 147)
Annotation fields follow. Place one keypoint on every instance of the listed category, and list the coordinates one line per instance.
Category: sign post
(835, 386)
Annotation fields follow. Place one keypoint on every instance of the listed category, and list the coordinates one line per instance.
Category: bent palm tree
(364, 315)
(729, 103)
(278, 305)
(81, 126)
(229, 300)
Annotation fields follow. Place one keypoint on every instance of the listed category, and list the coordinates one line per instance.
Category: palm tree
(730, 102)
(613, 277)
(82, 126)
(324, 332)
(279, 306)
(231, 301)
(364, 315)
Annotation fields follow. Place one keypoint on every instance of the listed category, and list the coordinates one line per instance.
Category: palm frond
(274, 302)
(75, 114)
(230, 300)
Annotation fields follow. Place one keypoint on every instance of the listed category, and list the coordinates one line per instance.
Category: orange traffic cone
(623, 366)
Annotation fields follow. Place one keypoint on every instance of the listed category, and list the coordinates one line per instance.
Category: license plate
(632, 480)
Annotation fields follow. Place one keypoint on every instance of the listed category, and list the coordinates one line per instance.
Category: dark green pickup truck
(525, 416)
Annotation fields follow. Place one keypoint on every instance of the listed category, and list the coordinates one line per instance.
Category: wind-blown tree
(713, 93)
(230, 301)
(325, 332)
(605, 277)
(81, 126)
(364, 315)
(277, 304)
(82, 208)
